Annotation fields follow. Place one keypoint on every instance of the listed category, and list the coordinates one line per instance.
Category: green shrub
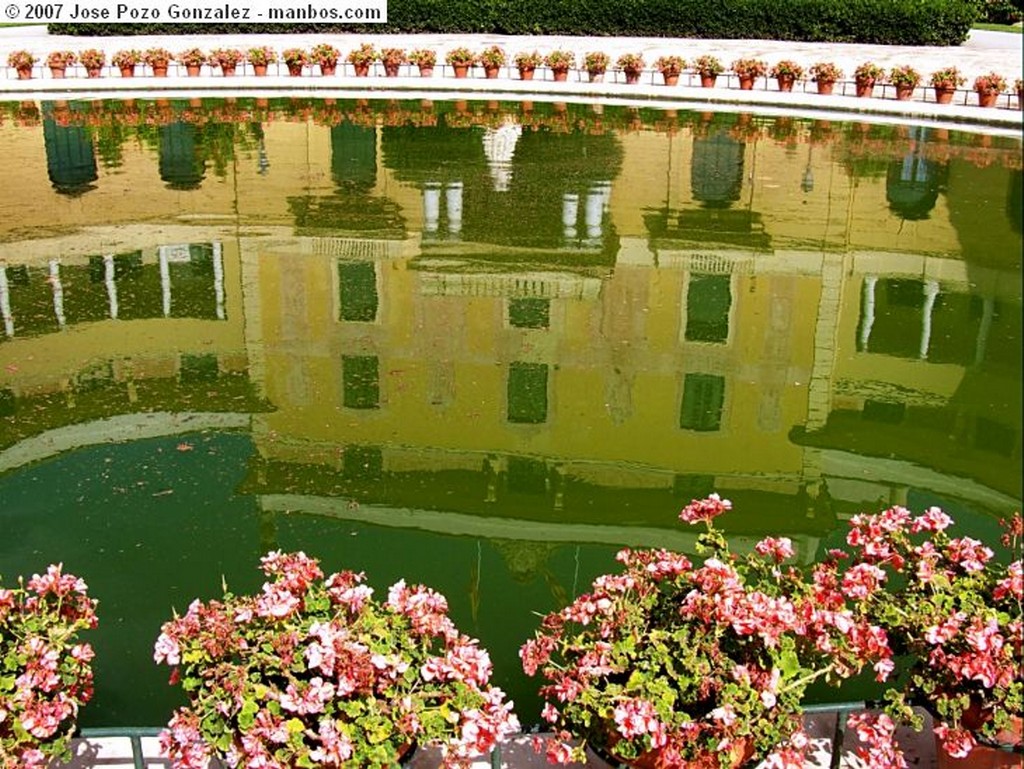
(890, 22)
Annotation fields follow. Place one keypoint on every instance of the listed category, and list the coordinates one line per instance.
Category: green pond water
(482, 346)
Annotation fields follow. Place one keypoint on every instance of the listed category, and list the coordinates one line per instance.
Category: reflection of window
(887, 413)
(362, 463)
(357, 289)
(716, 172)
(198, 368)
(527, 476)
(527, 393)
(529, 312)
(360, 382)
(992, 436)
(703, 396)
(708, 299)
(895, 318)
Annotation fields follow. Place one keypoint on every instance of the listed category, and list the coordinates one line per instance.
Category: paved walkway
(983, 52)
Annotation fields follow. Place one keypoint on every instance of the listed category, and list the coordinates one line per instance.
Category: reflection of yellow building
(722, 345)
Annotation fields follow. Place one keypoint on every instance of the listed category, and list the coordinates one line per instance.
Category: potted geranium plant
(260, 57)
(460, 59)
(93, 60)
(905, 78)
(951, 612)
(59, 61)
(671, 663)
(945, 82)
(125, 60)
(314, 671)
(295, 59)
(596, 64)
(527, 62)
(748, 70)
(492, 59)
(786, 73)
(1018, 87)
(670, 67)
(45, 672)
(326, 55)
(21, 61)
(227, 59)
(192, 59)
(560, 61)
(631, 64)
(825, 74)
(708, 68)
(425, 59)
(865, 77)
(158, 59)
(392, 59)
(988, 87)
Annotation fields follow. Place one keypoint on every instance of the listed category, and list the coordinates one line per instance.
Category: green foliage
(892, 22)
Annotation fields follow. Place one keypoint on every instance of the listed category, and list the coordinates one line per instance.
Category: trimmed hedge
(891, 22)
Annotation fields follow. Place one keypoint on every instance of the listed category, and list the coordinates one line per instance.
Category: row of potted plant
(667, 662)
(596, 63)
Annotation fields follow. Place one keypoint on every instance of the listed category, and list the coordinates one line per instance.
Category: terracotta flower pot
(632, 75)
(228, 70)
(596, 75)
(461, 70)
(984, 756)
(1020, 98)
(92, 71)
(526, 73)
(24, 73)
(490, 72)
(864, 88)
(560, 75)
(295, 70)
(128, 71)
(55, 72)
(944, 94)
(785, 82)
(391, 70)
(739, 754)
(193, 70)
(708, 81)
(825, 87)
(160, 69)
(904, 92)
(259, 70)
(328, 69)
(671, 78)
(746, 82)
(987, 98)
(426, 71)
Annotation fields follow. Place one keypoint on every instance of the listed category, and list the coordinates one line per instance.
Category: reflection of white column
(869, 311)
(987, 312)
(218, 279)
(58, 292)
(431, 206)
(109, 273)
(570, 212)
(165, 282)
(606, 193)
(594, 212)
(453, 200)
(5, 302)
(931, 291)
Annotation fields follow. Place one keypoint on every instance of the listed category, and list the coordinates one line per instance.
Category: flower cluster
(46, 673)
(315, 671)
(952, 615)
(687, 660)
